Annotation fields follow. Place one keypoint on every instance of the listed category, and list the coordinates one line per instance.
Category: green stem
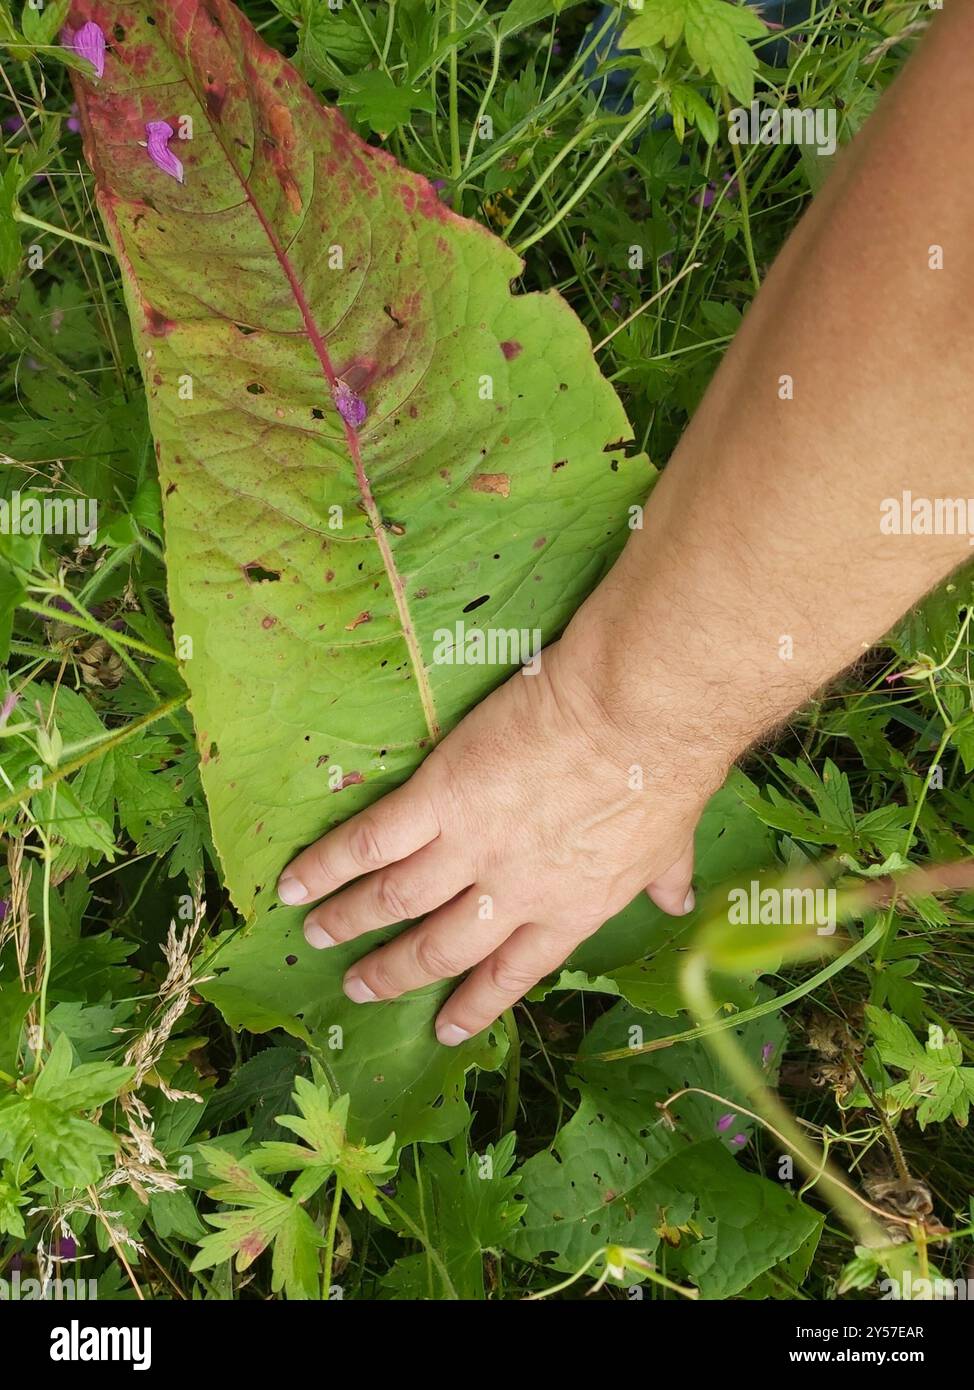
(512, 1076)
(336, 1201)
(769, 1006)
(865, 1228)
(632, 124)
(25, 217)
(46, 926)
(742, 195)
(112, 741)
(91, 625)
(434, 1255)
(456, 159)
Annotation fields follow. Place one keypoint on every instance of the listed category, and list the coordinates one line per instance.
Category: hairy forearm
(761, 569)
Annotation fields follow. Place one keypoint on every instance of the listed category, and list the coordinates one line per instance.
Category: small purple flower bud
(350, 407)
(65, 1248)
(88, 42)
(739, 1140)
(6, 710)
(13, 123)
(158, 134)
(767, 1052)
(725, 1122)
(74, 125)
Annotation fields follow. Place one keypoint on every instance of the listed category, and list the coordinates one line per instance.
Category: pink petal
(88, 42)
(725, 1122)
(158, 134)
(350, 407)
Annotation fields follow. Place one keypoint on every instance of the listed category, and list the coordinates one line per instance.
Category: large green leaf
(617, 1173)
(488, 482)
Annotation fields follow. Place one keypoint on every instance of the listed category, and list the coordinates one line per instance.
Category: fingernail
(450, 1035)
(358, 991)
(317, 936)
(291, 890)
(689, 902)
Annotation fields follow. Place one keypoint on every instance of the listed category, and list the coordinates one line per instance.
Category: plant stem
(512, 1076)
(25, 217)
(336, 1201)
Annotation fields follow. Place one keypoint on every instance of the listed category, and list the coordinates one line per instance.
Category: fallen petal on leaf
(158, 134)
(89, 43)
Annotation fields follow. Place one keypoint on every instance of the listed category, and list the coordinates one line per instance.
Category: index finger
(397, 826)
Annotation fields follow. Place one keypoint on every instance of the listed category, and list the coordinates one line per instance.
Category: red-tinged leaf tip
(350, 407)
(89, 43)
(157, 135)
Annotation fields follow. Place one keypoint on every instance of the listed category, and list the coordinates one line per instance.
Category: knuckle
(333, 918)
(433, 960)
(390, 900)
(381, 979)
(364, 846)
(507, 977)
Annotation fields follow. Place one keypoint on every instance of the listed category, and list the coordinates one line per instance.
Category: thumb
(672, 891)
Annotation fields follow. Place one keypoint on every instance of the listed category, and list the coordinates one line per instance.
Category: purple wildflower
(88, 42)
(767, 1052)
(65, 1248)
(59, 603)
(158, 134)
(74, 125)
(725, 1122)
(705, 197)
(350, 407)
(6, 710)
(13, 124)
(739, 1140)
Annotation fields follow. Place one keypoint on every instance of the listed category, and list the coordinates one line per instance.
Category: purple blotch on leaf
(158, 134)
(88, 42)
(350, 407)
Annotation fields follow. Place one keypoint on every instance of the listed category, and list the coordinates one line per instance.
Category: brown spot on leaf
(365, 617)
(499, 483)
(268, 621)
(510, 348)
(156, 323)
(215, 98)
(351, 779)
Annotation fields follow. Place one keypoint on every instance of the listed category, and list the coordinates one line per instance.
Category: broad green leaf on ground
(617, 1173)
(312, 560)
(740, 1224)
(467, 1208)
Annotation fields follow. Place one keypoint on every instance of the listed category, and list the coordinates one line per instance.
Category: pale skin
(765, 525)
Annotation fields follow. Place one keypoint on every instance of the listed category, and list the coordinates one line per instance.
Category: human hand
(533, 822)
